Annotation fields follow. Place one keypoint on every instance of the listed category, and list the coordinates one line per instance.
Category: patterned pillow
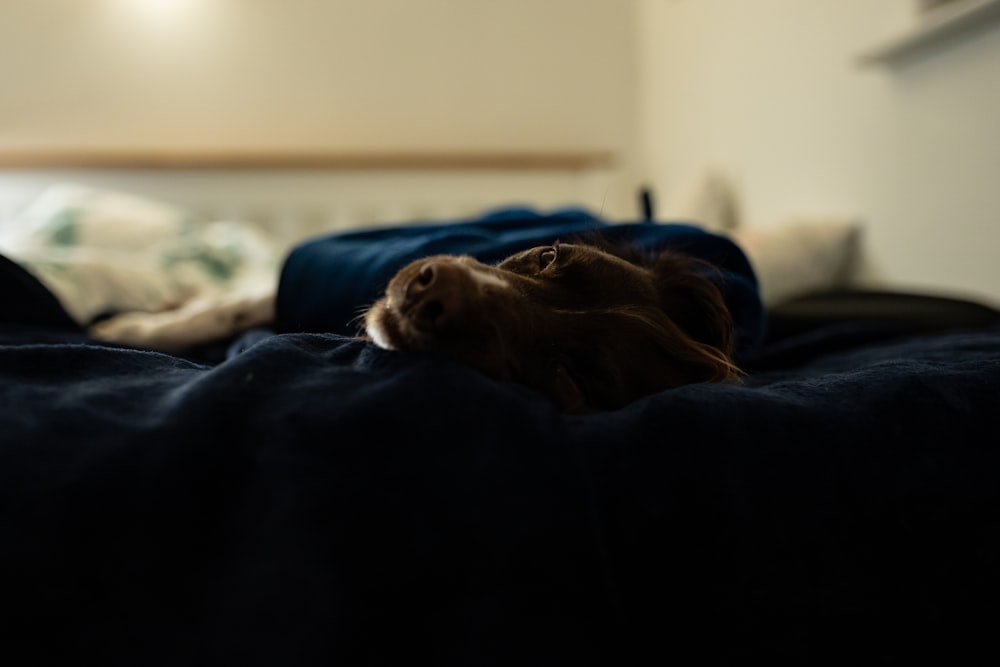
(103, 252)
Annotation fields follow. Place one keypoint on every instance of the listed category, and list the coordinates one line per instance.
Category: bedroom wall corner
(771, 94)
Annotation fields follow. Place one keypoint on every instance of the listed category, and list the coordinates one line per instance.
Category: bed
(295, 497)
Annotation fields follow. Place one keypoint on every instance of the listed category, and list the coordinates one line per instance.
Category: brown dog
(589, 327)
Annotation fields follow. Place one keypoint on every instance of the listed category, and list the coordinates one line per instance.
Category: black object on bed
(314, 500)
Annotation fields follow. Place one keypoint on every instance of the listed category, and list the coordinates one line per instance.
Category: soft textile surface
(803, 257)
(315, 500)
(327, 282)
(102, 252)
(792, 256)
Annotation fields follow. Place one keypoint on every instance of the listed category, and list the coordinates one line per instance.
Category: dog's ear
(694, 302)
(692, 299)
(688, 295)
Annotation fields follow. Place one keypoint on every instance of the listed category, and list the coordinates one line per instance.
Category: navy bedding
(313, 500)
(324, 281)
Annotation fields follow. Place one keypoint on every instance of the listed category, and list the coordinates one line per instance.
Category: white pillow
(802, 256)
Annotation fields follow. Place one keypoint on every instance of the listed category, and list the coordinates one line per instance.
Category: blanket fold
(326, 283)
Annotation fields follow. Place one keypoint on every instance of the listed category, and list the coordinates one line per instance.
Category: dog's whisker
(358, 321)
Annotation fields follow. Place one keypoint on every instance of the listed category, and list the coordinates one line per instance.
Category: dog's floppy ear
(687, 292)
(692, 299)
(694, 302)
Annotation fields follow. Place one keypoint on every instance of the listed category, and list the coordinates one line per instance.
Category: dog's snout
(439, 289)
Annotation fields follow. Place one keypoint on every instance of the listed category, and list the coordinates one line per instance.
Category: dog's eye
(546, 257)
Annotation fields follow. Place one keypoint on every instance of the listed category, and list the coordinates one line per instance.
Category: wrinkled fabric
(315, 500)
(327, 282)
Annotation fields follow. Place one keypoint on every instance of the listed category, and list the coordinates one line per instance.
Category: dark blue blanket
(325, 283)
(314, 500)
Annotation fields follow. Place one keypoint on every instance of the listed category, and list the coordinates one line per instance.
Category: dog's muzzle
(430, 298)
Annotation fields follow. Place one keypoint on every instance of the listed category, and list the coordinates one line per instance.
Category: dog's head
(588, 327)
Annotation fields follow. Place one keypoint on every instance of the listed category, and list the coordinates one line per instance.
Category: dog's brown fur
(590, 328)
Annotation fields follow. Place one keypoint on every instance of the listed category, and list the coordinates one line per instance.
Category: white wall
(769, 91)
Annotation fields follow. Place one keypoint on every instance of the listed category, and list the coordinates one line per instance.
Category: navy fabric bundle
(327, 282)
(26, 302)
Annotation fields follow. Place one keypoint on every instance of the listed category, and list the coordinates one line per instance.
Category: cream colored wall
(347, 74)
(341, 75)
(769, 91)
(766, 89)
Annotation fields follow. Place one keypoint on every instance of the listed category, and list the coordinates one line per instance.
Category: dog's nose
(426, 276)
(435, 294)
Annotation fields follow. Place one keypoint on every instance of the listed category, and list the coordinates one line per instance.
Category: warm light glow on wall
(162, 33)
(161, 10)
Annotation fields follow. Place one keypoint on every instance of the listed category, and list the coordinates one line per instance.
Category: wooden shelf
(937, 25)
(267, 159)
